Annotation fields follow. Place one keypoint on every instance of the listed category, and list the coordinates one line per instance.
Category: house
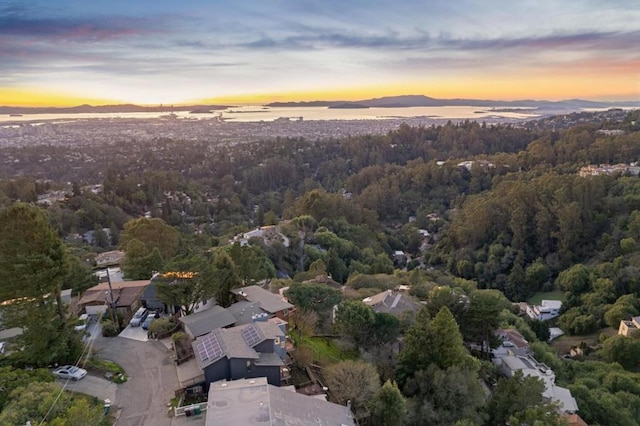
(269, 302)
(628, 327)
(109, 258)
(575, 420)
(244, 402)
(512, 338)
(529, 367)
(392, 302)
(247, 351)
(243, 311)
(203, 322)
(125, 295)
(546, 310)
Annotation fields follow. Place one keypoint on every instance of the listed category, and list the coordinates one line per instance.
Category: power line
(86, 345)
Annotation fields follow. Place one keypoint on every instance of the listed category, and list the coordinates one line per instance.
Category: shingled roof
(249, 401)
(269, 302)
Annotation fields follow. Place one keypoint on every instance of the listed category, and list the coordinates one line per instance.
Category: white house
(546, 310)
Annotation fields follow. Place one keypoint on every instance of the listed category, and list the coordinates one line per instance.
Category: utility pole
(114, 316)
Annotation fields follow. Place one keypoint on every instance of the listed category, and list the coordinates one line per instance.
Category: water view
(252, 113)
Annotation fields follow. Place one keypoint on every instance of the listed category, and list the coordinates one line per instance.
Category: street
(144, 399)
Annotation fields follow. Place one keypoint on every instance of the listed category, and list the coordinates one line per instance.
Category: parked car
(152, 316)
(139, 317)
(3, 347)
(70, 372)
(84, 320)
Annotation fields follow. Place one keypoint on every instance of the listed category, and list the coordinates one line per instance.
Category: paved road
(135, 333)
(91, 385)
(152, 380)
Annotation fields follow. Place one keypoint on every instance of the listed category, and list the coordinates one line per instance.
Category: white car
(84, 320)
(70, 372)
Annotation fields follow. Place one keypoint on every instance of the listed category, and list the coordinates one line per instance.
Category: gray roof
(235, 345)
(220, 343)
(203, 322)
(391, 302)
(269, 302)
(208, 349)
(269, 359)
(244, 310)
(269, 330)
(249, 401)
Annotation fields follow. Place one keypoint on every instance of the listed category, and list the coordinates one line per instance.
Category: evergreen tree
(225, 278)
(389, 406)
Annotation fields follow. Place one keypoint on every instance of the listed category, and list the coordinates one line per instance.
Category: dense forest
(483, 215)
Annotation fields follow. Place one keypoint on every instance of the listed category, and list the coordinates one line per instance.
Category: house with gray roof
(509, 363)
(392, 302)
(244, 311)
(244, 402)
(269, 302)
(247, 351)
(203, 322)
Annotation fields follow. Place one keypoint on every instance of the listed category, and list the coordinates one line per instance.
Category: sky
(67, 52)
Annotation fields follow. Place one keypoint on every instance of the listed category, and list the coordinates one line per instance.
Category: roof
(575, 420)
(269, 302)
(124, 293)
(208, 349)
(269, 329)
(244, 310)
(530, 367)
(551, 304)
(235, 345)
(563, 396)
(119, 284)
(391, 302)
(203, 322)
(249, 401)
(512, 335)
(128, 296)
(269, 359)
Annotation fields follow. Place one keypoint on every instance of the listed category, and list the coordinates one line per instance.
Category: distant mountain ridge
(405, 101)
(106, 109)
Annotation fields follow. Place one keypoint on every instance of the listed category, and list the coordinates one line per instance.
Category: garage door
(96, 310)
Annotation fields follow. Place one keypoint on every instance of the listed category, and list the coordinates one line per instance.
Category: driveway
(91, 385)
(135, 333)
(144, 398)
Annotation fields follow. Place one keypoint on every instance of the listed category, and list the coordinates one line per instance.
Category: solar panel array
(209, 348)
(250, 335)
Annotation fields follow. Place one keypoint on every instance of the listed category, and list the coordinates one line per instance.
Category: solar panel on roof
(209, 348)
(250, 335)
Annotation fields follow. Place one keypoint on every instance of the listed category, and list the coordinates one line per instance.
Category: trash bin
(187, 412)
(196, 410)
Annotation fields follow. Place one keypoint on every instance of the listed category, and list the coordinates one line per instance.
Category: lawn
(549, 295)
(325, 351)
(563, 344)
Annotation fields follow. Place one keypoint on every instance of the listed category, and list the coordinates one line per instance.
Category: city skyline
(154, 52)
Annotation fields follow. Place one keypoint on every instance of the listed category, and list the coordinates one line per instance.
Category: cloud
(591, 40)
(20, 21)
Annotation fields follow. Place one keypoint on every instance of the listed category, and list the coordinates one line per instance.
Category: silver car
(139, 317)
(70, 372)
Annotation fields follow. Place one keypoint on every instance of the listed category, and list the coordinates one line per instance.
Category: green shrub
(162, 326)
(109, 329)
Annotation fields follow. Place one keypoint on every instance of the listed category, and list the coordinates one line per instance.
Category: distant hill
(421, 100)
(106, 109)
(349, 105)
(403, 101)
